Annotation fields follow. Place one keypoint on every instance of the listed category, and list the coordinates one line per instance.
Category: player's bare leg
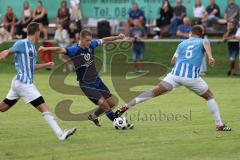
(105, 106)
(111, 102)
(213, 108)
(94, 116)
(138, 65)
(4, 107)
(158, 90)
(62, 135)
(231, 67)
(141, 62)
(135, 66)
(6, 104)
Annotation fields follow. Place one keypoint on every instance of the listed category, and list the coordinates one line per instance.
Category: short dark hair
(64, 1)
(32, 28)
(85, 33)
(197, 30)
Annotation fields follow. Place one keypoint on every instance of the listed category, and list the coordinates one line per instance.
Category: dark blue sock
(110, 115)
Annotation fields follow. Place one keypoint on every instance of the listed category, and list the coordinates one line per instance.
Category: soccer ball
(120, 123)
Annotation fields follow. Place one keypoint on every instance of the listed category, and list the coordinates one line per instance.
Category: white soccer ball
(120, 123)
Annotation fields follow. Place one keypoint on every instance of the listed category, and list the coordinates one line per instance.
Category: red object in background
(46, 56)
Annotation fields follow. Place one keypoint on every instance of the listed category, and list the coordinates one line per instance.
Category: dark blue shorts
(233, 54)
(95, 91)
(137, 54)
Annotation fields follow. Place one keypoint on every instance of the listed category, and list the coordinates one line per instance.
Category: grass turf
(191, 136)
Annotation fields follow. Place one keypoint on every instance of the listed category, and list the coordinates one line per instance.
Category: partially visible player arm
(6, 53)
(58, 50)
(208, 50)
(112, 38)
(174, 58)
(44, 65)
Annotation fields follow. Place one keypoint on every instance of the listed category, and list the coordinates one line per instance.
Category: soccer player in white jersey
(22, 84)
(187, 61)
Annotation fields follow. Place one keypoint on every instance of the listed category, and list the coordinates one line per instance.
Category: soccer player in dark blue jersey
(82, 55)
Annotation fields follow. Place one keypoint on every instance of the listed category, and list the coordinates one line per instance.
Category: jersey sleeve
(71, 51)
(18, 47)
(95, 43)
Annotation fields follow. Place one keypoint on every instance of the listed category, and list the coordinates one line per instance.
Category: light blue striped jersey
(189, 56)
(25, 60)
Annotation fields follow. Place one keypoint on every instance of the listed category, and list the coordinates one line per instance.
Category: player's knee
(208, 95)
(165, 86)
(161, 88)
(112, 103)
(102, 103)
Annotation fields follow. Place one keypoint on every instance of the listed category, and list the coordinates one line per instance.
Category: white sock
(52, 123)
(213, 108)
(141, 98)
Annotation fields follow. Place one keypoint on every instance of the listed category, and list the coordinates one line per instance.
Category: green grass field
(25, 135)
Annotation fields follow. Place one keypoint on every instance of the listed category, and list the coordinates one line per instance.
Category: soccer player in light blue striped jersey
(22, 84)
(187, 61)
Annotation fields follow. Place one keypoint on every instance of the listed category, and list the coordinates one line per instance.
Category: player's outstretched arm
(44, 65)
(58, 50)
(6, 53)
(208, 50)
(113, 38)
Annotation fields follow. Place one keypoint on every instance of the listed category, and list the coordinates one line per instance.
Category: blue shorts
(233, 54)
(95, 91)
(138, 54)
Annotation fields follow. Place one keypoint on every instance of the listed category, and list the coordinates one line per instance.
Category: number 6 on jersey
(189, 52)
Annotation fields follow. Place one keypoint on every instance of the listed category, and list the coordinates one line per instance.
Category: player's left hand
(121, 36)
(211, 61)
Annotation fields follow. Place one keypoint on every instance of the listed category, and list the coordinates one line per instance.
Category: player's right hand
(3, 55)
(41, 49)
(211, 61)
(121, 36)
(49, 64)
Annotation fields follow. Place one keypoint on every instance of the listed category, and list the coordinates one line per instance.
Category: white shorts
(197, 85)
(28, 92)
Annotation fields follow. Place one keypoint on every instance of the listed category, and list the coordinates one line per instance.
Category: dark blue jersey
(83, 60)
